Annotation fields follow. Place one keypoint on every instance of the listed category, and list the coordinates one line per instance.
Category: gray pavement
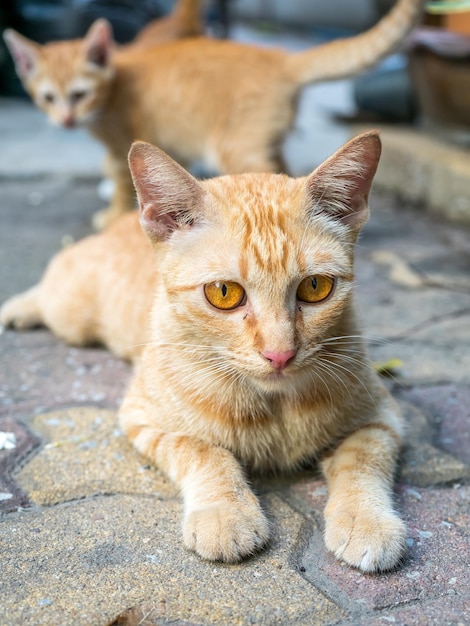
(90, 533)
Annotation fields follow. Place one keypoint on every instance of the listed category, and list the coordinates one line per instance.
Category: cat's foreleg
(22, 311)
(123, 198)
(223, 520)
(361, 525)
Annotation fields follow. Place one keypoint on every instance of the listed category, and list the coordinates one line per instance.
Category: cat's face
(257, 282)
(68, 80)
(256, 270)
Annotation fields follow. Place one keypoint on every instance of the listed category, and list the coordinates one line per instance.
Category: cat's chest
(279, 439)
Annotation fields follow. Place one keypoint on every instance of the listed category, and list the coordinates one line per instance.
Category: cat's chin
(275, 382)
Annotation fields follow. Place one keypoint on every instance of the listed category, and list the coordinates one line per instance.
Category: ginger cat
(251, 359)
(70, 80)
(221, 103)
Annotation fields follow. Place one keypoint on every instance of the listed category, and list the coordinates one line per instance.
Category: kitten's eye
(76, 96)
(49, 97)
(315, 288)
(225, 295)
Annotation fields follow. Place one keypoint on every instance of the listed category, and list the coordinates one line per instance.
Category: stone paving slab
(423, 323)
(94, 458)
(423, 461)
(45, 374)
(449, 408)
(22, 442)
(86, 562)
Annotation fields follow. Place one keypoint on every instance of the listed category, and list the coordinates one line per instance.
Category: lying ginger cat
(237, 310)
(222, 103)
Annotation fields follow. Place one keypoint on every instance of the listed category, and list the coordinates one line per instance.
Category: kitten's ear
(168, 196)
(98, 43)
(339, 187)
(25, 52)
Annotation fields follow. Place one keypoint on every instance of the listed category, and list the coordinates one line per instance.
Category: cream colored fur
(265, 386)
(222, 103)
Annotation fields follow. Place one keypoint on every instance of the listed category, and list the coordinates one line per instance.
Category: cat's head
(68, 80)
(256, 270)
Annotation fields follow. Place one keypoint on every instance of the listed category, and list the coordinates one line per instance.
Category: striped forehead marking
(265, 243)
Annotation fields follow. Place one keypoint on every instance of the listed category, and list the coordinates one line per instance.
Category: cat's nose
(279, 360)
(68, 121)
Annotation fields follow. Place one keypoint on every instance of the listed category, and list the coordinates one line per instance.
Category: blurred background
(427, 84)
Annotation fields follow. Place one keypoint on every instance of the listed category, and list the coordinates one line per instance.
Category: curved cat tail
(346, 57)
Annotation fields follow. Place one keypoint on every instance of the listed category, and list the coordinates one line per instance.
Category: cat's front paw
(21, 311)
(226, 530)
(371, 540)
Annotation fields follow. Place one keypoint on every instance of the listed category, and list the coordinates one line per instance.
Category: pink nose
(279, 360)
(68, 121)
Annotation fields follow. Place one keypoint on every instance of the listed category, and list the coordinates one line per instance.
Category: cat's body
(251, 358)
(222, 103)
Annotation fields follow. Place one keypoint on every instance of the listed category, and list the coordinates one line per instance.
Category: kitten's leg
(123, 196)
(361, 526)
(223, 520)
(22, 311)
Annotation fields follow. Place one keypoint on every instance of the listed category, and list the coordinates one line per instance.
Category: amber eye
(224, 295)
(315, 288)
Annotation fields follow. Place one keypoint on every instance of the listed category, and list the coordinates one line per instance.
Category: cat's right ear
(98, 43)
(169, 197)
(25, 52)
(340, 186)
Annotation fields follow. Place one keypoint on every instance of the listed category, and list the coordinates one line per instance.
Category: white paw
(372, 541)
(20, 312)
(227, 530)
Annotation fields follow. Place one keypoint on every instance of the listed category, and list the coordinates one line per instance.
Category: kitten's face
(68, 80)
(69, 90)
(258, 283)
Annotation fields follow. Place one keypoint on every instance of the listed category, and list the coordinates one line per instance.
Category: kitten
(71, 80)
(224, 104)
(251, 359)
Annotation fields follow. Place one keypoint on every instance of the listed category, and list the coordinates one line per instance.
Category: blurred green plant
(441, 7)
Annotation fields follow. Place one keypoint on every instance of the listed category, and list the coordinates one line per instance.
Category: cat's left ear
(339, 188)
(98, 43)
(25, 52)
(169, 197)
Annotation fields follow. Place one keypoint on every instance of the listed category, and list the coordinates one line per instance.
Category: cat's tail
(185, 20)
(346, 57)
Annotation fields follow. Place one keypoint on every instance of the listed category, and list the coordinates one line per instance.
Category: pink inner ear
(169, 197)
(158, 226)
(340, 186)
(24, 54)
(98, 44)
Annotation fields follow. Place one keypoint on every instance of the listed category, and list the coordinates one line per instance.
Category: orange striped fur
(208, 403)
(222, 103)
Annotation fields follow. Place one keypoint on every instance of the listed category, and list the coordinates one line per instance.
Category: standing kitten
(251, 359)
(71, 82)
(223, 103)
